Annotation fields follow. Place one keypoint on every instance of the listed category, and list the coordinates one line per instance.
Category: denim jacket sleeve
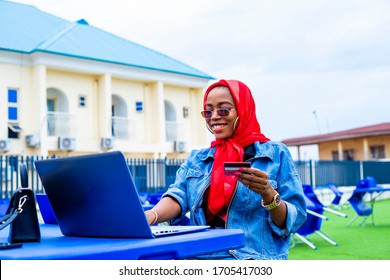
(284, 178)
(192, 179)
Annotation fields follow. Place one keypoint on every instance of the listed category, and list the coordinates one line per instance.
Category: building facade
(362, 143)
(69, 88)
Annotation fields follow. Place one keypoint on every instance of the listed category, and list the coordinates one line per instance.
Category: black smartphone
(231, 167)
(4, 246)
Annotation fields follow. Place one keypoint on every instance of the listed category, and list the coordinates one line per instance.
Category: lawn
(367, 242)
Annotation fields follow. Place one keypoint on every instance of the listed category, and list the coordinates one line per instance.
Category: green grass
(367, 242)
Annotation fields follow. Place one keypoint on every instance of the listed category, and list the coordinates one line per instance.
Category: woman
(265, 200)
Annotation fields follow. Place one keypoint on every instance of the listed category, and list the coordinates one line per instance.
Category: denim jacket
(264, 240)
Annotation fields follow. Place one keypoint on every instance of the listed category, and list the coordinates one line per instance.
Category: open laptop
(45, 209)
(95, 196)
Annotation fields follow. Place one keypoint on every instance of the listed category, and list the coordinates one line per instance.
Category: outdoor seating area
(358, 201)
(365, 207)
(354, 242)
(361, 201)
(313, 223)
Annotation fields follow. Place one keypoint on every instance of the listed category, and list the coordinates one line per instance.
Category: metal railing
(155, 175)
(61, 124)
(175, 131)
(123, 128)
(150, 175)
(342, 173)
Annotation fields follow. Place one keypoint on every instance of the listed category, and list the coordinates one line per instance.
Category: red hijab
(232, 149)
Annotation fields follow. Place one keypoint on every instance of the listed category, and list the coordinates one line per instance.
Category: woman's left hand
(255, 179)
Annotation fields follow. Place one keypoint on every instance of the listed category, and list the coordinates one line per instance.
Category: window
(348, 154)
(185, 112)
(13, 105)
(13, 130)
(13, 114)
(335, 155)
(377, 151)
(138, 106)
(82, 101)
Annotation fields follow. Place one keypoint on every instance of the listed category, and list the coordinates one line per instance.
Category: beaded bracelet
(155, 216)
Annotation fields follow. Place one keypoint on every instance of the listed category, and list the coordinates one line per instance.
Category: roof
(27, 29)
(365, 131)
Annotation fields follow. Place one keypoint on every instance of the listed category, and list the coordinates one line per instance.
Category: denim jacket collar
(262, 150)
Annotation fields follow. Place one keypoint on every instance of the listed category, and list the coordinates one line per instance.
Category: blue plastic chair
(155, 197)
(4, 203)
(338, 194)
(358, 204)
(313, 224)
(371, 182)
(143, 197)
(362, 184)
(309, 192)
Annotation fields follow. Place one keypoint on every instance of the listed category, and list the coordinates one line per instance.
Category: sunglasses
(221, 112)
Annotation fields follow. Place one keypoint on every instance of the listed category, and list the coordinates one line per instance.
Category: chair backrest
(338, 194)
(371, 182)
(311, 224)
(358, 204)
(155, 197)
(333, 187)
(363, 183)
(309, 192)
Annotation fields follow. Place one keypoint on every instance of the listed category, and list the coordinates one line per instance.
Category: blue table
(374, 193)
(54, 245)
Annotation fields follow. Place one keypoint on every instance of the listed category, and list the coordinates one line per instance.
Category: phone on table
(4, 246)
(232, 167)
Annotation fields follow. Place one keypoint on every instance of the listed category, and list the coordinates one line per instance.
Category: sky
(313, 66)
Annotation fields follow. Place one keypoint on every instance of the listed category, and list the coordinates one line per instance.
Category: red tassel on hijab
(232, 149)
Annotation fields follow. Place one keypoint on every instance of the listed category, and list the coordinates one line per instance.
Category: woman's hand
(255, 179)
(167, 208)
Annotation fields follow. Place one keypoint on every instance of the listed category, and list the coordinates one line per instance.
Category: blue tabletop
(371, 189)
(54, 245)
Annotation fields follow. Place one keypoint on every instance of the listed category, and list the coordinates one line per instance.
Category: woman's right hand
(166, 209)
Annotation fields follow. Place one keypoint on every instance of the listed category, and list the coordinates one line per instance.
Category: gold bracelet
(155, 216)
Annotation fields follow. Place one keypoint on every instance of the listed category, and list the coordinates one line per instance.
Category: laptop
(45, 209)
(95, 196)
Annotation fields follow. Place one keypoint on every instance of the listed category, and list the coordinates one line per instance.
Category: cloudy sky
(314, 66)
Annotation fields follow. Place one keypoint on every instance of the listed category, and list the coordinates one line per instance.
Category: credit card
(231, 167)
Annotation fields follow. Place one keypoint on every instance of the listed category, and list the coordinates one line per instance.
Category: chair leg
(363, 223)
(350, 223)
(326, 237)
(304, 240)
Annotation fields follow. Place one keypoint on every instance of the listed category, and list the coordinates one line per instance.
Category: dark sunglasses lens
(207, 114)
(223, 112)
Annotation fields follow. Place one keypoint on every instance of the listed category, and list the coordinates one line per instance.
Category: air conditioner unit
(107, 142)
(32, 140)
(66, 143)
(5, 145)
(181, 146)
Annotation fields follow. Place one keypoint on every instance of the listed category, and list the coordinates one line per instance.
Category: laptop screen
(94, 195)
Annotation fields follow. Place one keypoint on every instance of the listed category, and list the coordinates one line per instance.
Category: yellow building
(70, 88)
(362, 143)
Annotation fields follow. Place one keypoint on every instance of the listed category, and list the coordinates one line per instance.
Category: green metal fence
(155, 175)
